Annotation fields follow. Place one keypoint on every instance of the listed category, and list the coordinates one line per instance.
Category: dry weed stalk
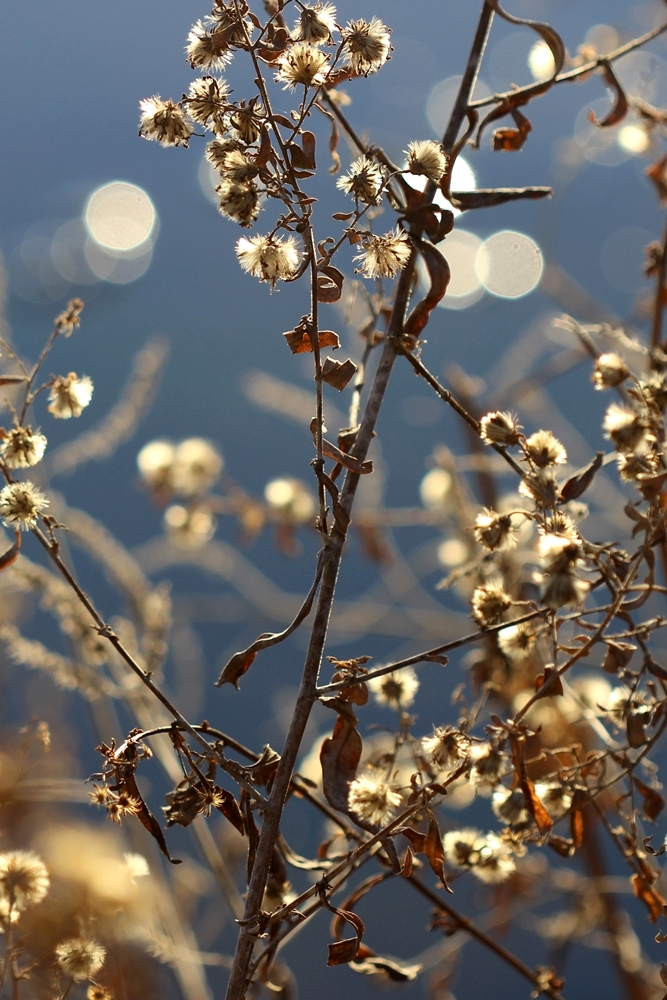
(563, 756)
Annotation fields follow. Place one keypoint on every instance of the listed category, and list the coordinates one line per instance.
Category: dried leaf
(618, 655)
(13, 379)
(339, 757)
(329, 283)
(536, 808)
(395, 972)
(146, 817)
(239, 664)
(620, 107)
(263, 770)
(341, 952)
(545, 31)
(657, 172)
(649, 850)
(416, 838)
(408, 863)
(634, 726)
(11, 555)
(509, 140)
(561, 845)
(229, 808)
(577, 818)
(358, 893)
(648, 895)
(548, 684)
(433, 849)
(330, 450)
(654, 803)
(299, 342)
(338, 373)
(439, 273)
(487, 197)
(581, 480)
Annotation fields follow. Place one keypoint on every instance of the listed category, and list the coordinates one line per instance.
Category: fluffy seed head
(70, 395)
(164, 122)
(367, 45)
(509, 806)
(516, 642)
(446, 747)
(269, 258)
(316, 24)
(563, 590)
(462, 847)
(189, 527)
(559, 553)
(24, 880)
(397, 689)
(97, 992)
(489, 602)
(384, 256)
(206, 98)
(302, 63)
(21, 504)
(610, 370)
(627, 429)
(290, 501)
(495, 531)
(541, 487)
(495, 863)
(372, 797)
(207, 50)
(80, 958)
(427, 157)
(543, 449)
(363, 180)
(238, 202)
(69, 319)
(196, 467)
(22, 447)
(247, 120)
(557, 798)
(500, 428)
(217, 152)
(489, 765)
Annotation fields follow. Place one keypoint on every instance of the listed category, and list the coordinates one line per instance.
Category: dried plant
(560, 718)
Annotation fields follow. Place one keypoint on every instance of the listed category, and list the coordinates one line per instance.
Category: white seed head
(489, 602)
(560, 553)
(500, 428)
(372, 797)
(189, 527)
(290, 501)
(516, 642)
(24, 880)
(207, 49)
(269, 258)
(22, 447)
(627, 429)
(246, 121)
(495, 531)
(397, 689)
(302, 63)
(609, 371)
(509, 806)
(496, 862)
(164, 122)
(427, 157)
(462, 847)
(80, 958)
(489, 765)
(541, 487)
(238, 202)
(316, 24)
(543, 449)
(384, 256)
(197, 465)
(70, 395)
(564, 590)
(155, 463)
(367, 45)
(363, 180)
(21, 504)
(446, 748)
(206, 99)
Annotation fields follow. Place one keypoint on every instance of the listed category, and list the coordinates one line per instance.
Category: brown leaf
(548, 684)
(239, 664)
(561, 845)
(416, 838)
(11, 555)
(341, 952)
(358, 893)
(620, 107)
(264, 152)
(330, 450)
(263, 770)
(146, 817)
(486, 197)
(657, 173)
(408, 863)
(581, 480)
(654, 803)
(648, 895)
(13, 379)
(434, 850)
(634, 726)
(339, 757)
(545, 31)
(618, 655)
(299, 341)
(509, 140)
(395, 972)
(577, 819)
(535, 806)
(338, 373)
(329, 283)
(439, 273)
(230, 809)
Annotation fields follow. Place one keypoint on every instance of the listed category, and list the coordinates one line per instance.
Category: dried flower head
(164, 122)
(654, 388)
(397, 689)
(70, 395)
(541, 487)
(24, 880)
(316, 24)
(155, 463)
(634, 468)
(69, 319)
(489, 602)
(446, 748)
(197, 465)
(496, 862)
(555, 796)
(302, 63)
(500, 428)
(559, 553)
(207, 49)
(217, 151)
(564, 590)
(490, 764)
(238, 202)
(509, 806)
(462, 847)
(373, 797)
(516, 642)
(189, 527)
(367, 45)
(21, 447)
(21, 504)
(247, 120)
(363, 180)
(225, 19)
(427, 157)
(239, 166)
(97, 992)
(269, 258)
(627, 429)
(543, 449)
(80, 958)
(384, 256)
(495, 531)
(206, 99)
(609, 371)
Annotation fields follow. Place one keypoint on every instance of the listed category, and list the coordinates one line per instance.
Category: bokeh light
(465, 286)
(633, 139)
(120, 216)
(509, 264)
(541, 61)
(441, 101)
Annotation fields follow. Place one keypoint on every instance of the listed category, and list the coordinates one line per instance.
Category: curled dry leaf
(299, 340)
(439, 274)
(329, 283)
(339, 757)
(338, 373)
(620, 107)
(577, 484)
(655, 903)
